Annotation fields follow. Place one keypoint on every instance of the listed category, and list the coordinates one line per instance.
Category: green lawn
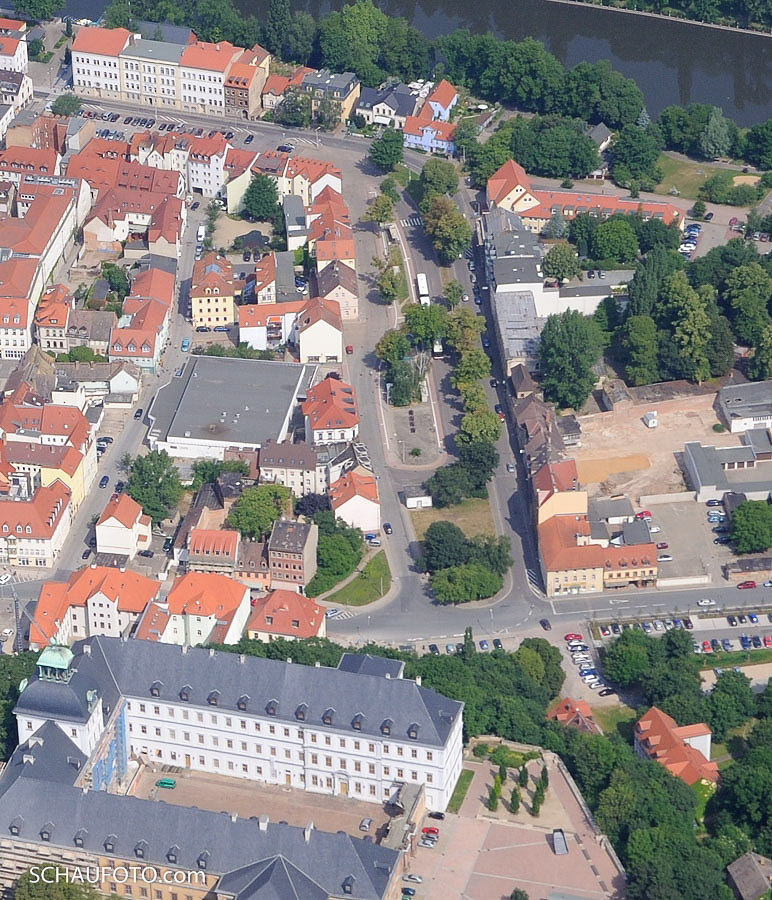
(472, 516)
(614, 719)
(736, 658)
(686, 176)
(704, 791)
(371, 584)
(459, 792)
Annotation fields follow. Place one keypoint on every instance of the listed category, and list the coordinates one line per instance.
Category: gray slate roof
(129, 668)
(739, 401)
(364, 663)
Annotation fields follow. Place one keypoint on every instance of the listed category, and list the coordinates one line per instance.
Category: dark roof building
(751, 876)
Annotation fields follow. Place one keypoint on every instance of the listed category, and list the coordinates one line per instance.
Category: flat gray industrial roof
(159, 51)
(226, 400)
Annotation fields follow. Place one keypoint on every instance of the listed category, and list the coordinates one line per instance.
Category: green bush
(481, 751)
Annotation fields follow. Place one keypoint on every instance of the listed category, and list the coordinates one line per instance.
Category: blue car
(726, 644)
(483, 644)
(754, 618)
(745, 641)
(185, 345)
(583, 672)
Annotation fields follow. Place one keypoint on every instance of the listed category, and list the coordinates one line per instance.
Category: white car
(5, 578)
(659, 625)
(6, 633)
(654, 529)
(596, 685)
(331, 613)
(706, 601)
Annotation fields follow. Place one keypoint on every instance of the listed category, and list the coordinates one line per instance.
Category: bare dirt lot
(606, 465)
(227, 230)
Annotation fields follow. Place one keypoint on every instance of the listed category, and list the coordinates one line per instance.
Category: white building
(746, 406)
(150, 73)
(354, 499)
(359, 731)
(330, 411)
(13, 54)
(203, 68)
(96, 70)
(33, 531)
(122, 528)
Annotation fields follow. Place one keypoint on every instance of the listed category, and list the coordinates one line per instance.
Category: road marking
(412, 221)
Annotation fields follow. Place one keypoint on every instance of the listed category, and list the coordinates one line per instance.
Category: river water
(672, 61)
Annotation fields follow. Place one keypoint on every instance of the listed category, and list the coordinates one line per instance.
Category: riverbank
(734, 29)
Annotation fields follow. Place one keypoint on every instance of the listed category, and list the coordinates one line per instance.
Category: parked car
(726, 644)
(753, 617)
(545, 624)
(643, 514)
(387, 529)
(732, 621)
(104, 481)
(706, 646)
(168, 544)
(484, 644)
(706, 601)
(767, 641)
(430, 829)
(615, 628)
(708, 216)
(688, 624)
(427, 844)
(746, 585)
(138, 413)
(86, 553)
(712, 503)
(408, 892)
(416, 879)
(450, 649)
(742, 619)
(723, 539)
(714, 645)
(497, 645)
(573, 637)
(510, 468)
(756, 641)
(185, 345)
(365, 824)
(148, 554)
(249, 138)
(607, 692)
(662, 545)
(664, 557)
(434, 650)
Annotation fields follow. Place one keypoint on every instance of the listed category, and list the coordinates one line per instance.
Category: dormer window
(241, 703)
(140, 850)
(155, 689)
(185, 693)
(110, 843)
(80, 837)
(300, 712)
(28, 529)
(412, 731)
(386, 726)
(213, 698)
(18, 529)
(348, 884)
(327, 716)
(15, 826)
(45, 831)
(173, 853)
(203, 859)
(356, 722)
(272, 707)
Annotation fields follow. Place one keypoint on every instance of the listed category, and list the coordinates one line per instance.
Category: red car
(574, 637)
(662, 545)
(430, 829)
(643, 514)
(767, 641)
(349, 349)
(746, 585)
(706, 646)
(733, 220)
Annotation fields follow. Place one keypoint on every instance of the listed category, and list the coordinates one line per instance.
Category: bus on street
(423, 289)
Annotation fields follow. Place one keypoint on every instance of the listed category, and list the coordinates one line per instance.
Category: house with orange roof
(213, 550)
(510, 188)
(276, 85)
(106, 171)
(8, 26)
(206, 164)
(262, 284)
(21, 281)
(212, 293)
(441, 100)
(96, 600)
(286, 615)
(422, 132)
(556, 490)
(34, 522)
(331, 250)
(158, 217)
(576, 558)
(13, 54)
(330, 412)
(238, 177)
(245, 81)
(197, 605)
(308, 178)
(684, 751)
(52, 318)
(266, 326)
(318, 332)
(204, 67)
(15, 162)
(354, 499)
(95, 61)
(140, 334)
(154, 283)
(575, 714)
(123, 529)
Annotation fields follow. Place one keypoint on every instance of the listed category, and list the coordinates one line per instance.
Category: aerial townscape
(385, 451)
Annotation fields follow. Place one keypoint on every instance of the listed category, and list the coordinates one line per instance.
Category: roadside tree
(386, 151)
(154, 483)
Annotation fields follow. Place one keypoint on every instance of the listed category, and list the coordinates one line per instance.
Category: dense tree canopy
(570, 346)
(154, 483)
(258, 508)
(751, 528)
(261, 200)
(386, 151)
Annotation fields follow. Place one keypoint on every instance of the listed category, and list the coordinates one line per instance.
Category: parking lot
(219, 793)
(685, 529)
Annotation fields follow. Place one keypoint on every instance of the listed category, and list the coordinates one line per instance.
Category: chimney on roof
(87, 649)
(241, 658)
(307, 831)
(211, 651)
(388, 674)
(317, 664)
(184, 648)
(418, 680)
(262, 823)
(234, 816)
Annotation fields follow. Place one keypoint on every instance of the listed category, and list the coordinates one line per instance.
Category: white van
(201, 233)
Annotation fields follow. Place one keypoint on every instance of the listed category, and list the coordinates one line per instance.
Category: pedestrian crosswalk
(534, 578)
(338, 614)
(411, 221)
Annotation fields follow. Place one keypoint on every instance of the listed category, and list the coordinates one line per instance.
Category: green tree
(691, 334)
(117, 278)
(327, 114)
(480, 459)
(68, 27)
(615, 239)
(635, 152)
(556, 227)
(392, 347)
(758, 144)
(698, 209)
(748, 292)
(522, 778)
(473, 365)
(751, 527)
(379, 211)
(445, 545)
(570, 345)
(544, 778)
(493, 800)
(460, 584)
(154, 483)
(454, 291)
(207, 471)
(502, 773)
(731, 703)
(261, 200)
(449, 230)
(760, 365)
(258, 508)
(294, 109)
(389, 188)
(716, 139)
(389, 278)
(39, 10)
(28, 887)
(464, 330)
(65, 105)
(449, 485)
(639, 342)
(439, 176)
(480, 426)
(277, 25)
(514, 800)
(299, 38)
(561, 262)
(427, 324)
(386, 152)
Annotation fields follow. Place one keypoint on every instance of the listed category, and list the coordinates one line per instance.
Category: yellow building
(212, 293)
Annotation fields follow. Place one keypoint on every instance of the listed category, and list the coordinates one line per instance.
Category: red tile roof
(328, 250)
(286, 613)
(205, 594)
(318, 309)
(552, 478)
(128, 590)
(166, 221)
(31, 235)
(416, 125)
(124, 510)
(155, 283)
(257, 315)
(443, 93)
(331, 404)
(353, 484)
(212, 542)
(663, 741)
(12, 25)
(29, 161)
(559, 550)
(239, 161)
(212, 273)
(41, 515)
(504, 180)
(212, 57)
(576, 714)
(276, 85)
(100, 41)
(54, 307)
(9, 46)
